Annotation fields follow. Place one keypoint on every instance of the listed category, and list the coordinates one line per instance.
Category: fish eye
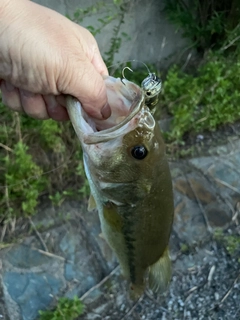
(139, 152)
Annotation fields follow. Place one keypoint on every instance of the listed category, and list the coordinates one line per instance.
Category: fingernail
(106, 111)
(9, 86)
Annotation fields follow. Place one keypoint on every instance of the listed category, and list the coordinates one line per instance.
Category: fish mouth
(125, 99)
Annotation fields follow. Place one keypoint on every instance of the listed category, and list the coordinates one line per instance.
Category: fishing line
(132, 60)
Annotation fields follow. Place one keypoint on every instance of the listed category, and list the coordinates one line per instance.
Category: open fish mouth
(125, 99)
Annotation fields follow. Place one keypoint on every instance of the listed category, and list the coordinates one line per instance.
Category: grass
(203, 101)
(230, 241)
(37, 158)
(66, 309)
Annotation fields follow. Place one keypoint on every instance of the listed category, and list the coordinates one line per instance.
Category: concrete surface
(153, 39)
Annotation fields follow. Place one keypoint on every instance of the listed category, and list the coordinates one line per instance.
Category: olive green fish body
(131, 184)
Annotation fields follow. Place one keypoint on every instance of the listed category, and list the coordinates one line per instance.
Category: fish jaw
(125, 100)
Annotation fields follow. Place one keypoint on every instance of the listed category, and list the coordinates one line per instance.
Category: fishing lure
(151, 86)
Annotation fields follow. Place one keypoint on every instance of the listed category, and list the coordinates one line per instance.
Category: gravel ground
(205, 285)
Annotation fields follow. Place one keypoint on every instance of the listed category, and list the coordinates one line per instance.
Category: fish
(130, 182)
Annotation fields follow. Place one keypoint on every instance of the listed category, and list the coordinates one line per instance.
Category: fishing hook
(123, 76)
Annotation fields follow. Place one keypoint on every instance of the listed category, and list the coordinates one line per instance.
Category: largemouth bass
(130, 182)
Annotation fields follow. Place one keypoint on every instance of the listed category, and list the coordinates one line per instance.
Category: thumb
(87, 85)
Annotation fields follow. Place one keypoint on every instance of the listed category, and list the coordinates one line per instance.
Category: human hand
(44, 56)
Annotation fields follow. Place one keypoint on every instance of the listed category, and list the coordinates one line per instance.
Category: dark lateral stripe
(129, 242)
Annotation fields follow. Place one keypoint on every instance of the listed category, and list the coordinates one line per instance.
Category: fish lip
(103, 135)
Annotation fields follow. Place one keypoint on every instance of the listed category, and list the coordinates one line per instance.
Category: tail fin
(160, 273)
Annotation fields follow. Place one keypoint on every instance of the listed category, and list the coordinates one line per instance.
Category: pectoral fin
(160, 273)
(91, 203)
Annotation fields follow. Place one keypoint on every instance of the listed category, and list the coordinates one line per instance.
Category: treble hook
(123, 76)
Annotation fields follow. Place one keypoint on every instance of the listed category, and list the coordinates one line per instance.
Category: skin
(45, 56)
